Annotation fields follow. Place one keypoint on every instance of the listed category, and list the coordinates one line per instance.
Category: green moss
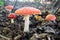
(58, 18)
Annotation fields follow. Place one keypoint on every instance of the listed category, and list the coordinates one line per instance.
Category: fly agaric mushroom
(11, 16)
(9, 8)
(50, 17)
(27, 11)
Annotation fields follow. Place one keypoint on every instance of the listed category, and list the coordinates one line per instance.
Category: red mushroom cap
(50, 17)
(11, 16)
(27, 11)
(9, 7)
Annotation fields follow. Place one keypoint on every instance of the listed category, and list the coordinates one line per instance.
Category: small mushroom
(9, 8)
(11, 16)
(50, 17)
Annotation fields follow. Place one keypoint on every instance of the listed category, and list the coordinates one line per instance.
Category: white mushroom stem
(12, 20)
(9, 11)
(26, 25)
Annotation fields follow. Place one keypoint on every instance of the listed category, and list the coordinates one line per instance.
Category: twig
(17, 37)
(4, 37)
